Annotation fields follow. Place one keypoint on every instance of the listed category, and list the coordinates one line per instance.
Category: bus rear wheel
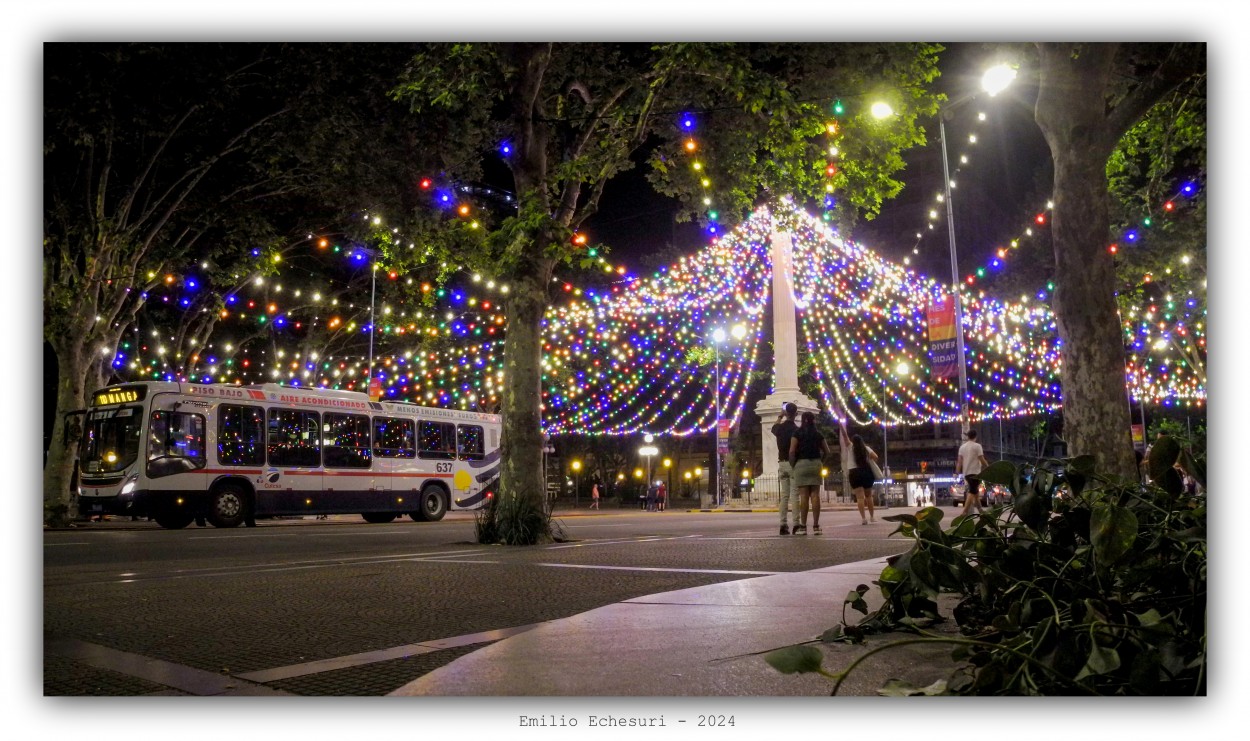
(227, 506)
(175, 519)
(378, 518)
(433, 504)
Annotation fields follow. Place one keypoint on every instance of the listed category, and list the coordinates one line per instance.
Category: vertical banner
(943, 351)
(722, 436)
(1139, 438)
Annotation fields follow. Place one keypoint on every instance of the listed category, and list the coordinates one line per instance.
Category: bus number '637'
(443, 468)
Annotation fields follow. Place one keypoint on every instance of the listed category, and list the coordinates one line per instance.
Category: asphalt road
(334, 607)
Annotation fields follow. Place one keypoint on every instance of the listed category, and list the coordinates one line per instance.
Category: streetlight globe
(718, 335)
(997, 78)
(903, 369)
(577, 465)
(881, 110)
(739, 331)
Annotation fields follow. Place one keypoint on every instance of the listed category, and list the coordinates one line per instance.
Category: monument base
(768, 409)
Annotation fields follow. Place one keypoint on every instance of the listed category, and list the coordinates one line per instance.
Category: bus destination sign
(119, 395)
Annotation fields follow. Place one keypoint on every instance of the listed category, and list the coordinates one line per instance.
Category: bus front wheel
(433, 505)
(378, 518)
(227, 506)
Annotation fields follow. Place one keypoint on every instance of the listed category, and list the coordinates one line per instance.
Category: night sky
(997, 192)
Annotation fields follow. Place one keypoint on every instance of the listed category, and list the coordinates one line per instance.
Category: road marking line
(640, 539)
(385, 654)
(661, 568)
(296, 534)
(338, 561)
(166, 673)
(45, 545)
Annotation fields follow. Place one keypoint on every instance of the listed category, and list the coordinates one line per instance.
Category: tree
(568, 118)
(1090, 95)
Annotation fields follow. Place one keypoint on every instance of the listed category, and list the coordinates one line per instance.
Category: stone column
(785, 351)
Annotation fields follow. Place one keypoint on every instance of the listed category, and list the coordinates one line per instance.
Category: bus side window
(436, 440)
(240, 435)
(470, 443)
(393, 438)
(347, 441)
(294, 438)
(176, 435)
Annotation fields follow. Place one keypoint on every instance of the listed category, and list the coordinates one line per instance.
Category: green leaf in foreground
(795, 659)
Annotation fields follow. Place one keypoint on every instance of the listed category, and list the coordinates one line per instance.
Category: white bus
(176, 452)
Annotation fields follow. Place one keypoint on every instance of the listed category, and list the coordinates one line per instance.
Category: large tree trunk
(76, 370)
(521, 450)
(1071, 111)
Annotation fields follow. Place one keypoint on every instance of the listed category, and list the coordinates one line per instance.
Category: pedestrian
(862, 477)
(970, 461)
(783, 429)
(594, 496)
(807, 448)
(661, 494)
(649, 504)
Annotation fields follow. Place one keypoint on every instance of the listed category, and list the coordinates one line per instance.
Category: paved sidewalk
(698, 642)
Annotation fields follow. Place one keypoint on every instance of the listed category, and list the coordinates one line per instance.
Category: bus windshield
(110, 440)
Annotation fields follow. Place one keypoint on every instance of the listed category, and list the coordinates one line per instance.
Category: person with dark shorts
(861, 478)
(970, 461)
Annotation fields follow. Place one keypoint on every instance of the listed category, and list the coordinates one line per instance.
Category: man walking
(970, 461)
(783, 429)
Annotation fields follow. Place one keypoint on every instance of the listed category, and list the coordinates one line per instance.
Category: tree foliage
(165, 162)
(573, 117)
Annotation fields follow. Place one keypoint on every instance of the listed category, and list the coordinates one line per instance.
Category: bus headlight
(129, 486)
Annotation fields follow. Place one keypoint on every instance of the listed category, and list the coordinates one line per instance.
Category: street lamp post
(647, 451)
(718, 336)
(577, 469)
(902, 370)
(995, 80)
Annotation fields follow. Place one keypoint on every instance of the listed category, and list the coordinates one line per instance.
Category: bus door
(351, 481)
(291, 483)
(174, 451)
(471, 450)
(394, 460)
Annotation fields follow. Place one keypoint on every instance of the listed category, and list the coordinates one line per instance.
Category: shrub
(516, 521)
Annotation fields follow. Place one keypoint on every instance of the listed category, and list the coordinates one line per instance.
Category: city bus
(182, 452)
